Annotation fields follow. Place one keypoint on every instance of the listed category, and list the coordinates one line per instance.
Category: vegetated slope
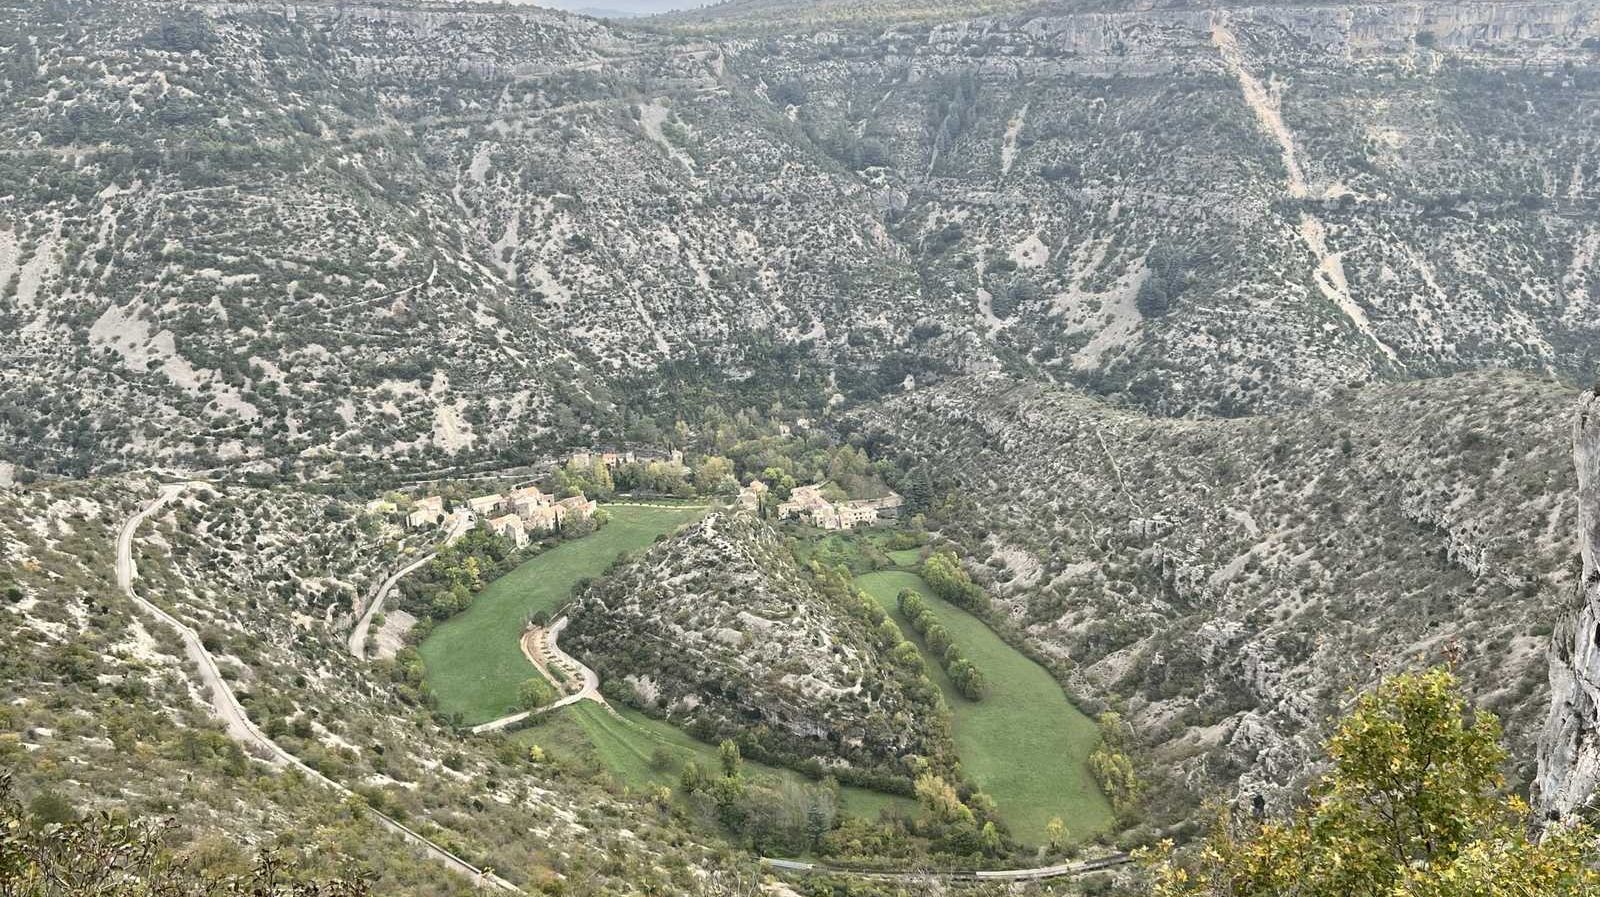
(474, 660)
(629, 746)
(1230, 580)
(316, 237)
(1227, 210)
(224, 248)
(1023, 744)
(264, 576)
(100, 712)
(718, 629)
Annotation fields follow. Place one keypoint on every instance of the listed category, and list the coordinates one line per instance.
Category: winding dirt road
(537, 645)
(227, 708)
(358, 635)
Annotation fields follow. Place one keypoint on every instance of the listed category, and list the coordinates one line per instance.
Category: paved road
(226, 706)
(1036, 874)
(533, 641)
(358, 635)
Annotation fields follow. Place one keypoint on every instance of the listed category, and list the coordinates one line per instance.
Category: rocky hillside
(1227, 582)
(313, 238)
(718, 630)
(1569, 750)
(100, 707)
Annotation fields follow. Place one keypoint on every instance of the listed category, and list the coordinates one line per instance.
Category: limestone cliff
(1569, 750)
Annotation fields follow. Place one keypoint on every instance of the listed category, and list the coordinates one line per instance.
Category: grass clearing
(1024, 743)
(905, 557)
(625, 748)
(474, 664)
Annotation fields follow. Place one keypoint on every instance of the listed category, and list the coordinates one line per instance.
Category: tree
(728, 754)
(989, 838)
(661, 758)
(967, 678)
(940, 800)
(692, 779)
(1055, 833)
(535, 693)
(714, 473)
(1112, 767)
(1414, 806)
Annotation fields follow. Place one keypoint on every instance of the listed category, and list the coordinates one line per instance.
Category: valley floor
(1023, 743)
(626, 744)
(474, 660)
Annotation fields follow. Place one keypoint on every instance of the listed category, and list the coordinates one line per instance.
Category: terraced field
(474, 664)
(1024, 743)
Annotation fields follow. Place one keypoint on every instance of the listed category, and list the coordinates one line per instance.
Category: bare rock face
(1569, 750)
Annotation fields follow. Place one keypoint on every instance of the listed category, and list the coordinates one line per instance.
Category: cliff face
(1569, 751)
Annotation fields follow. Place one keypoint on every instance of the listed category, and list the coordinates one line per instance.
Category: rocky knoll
(1569, 750)
(718, 630)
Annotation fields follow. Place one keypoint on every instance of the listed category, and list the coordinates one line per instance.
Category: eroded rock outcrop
(1569, 750)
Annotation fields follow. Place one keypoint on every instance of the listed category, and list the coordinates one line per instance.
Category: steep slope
(1228, 582)
(102, 709)
(718, 629)
(227, 250)
(306, 238)
(1569, 750)
(1227, 210)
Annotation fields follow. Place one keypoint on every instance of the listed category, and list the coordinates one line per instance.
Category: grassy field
(1024, 743)
(474, 664)
(905, 557)
(624, 747)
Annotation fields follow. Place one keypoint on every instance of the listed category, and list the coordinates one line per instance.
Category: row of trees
(708, 475)
(963, 673)
(943, 573)
(1112, 767)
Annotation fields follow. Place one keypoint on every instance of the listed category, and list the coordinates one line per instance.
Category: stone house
(426, 512)
(808, 502)
(575, 508)
(483, 505)
(539, 518)
(751, 495)
(510, 526)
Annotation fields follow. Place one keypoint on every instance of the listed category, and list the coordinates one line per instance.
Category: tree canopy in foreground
(1414, 806)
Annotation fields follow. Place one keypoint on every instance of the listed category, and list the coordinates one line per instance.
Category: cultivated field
(474, 663)
(1024, 743)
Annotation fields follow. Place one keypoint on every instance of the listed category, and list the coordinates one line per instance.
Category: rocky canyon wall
(1569, 751)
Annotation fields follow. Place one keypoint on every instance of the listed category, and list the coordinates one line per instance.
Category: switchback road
(227, 708)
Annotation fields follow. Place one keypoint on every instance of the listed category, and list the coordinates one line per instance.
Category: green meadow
(474, 661)
(1023, 743)
(626, 745)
